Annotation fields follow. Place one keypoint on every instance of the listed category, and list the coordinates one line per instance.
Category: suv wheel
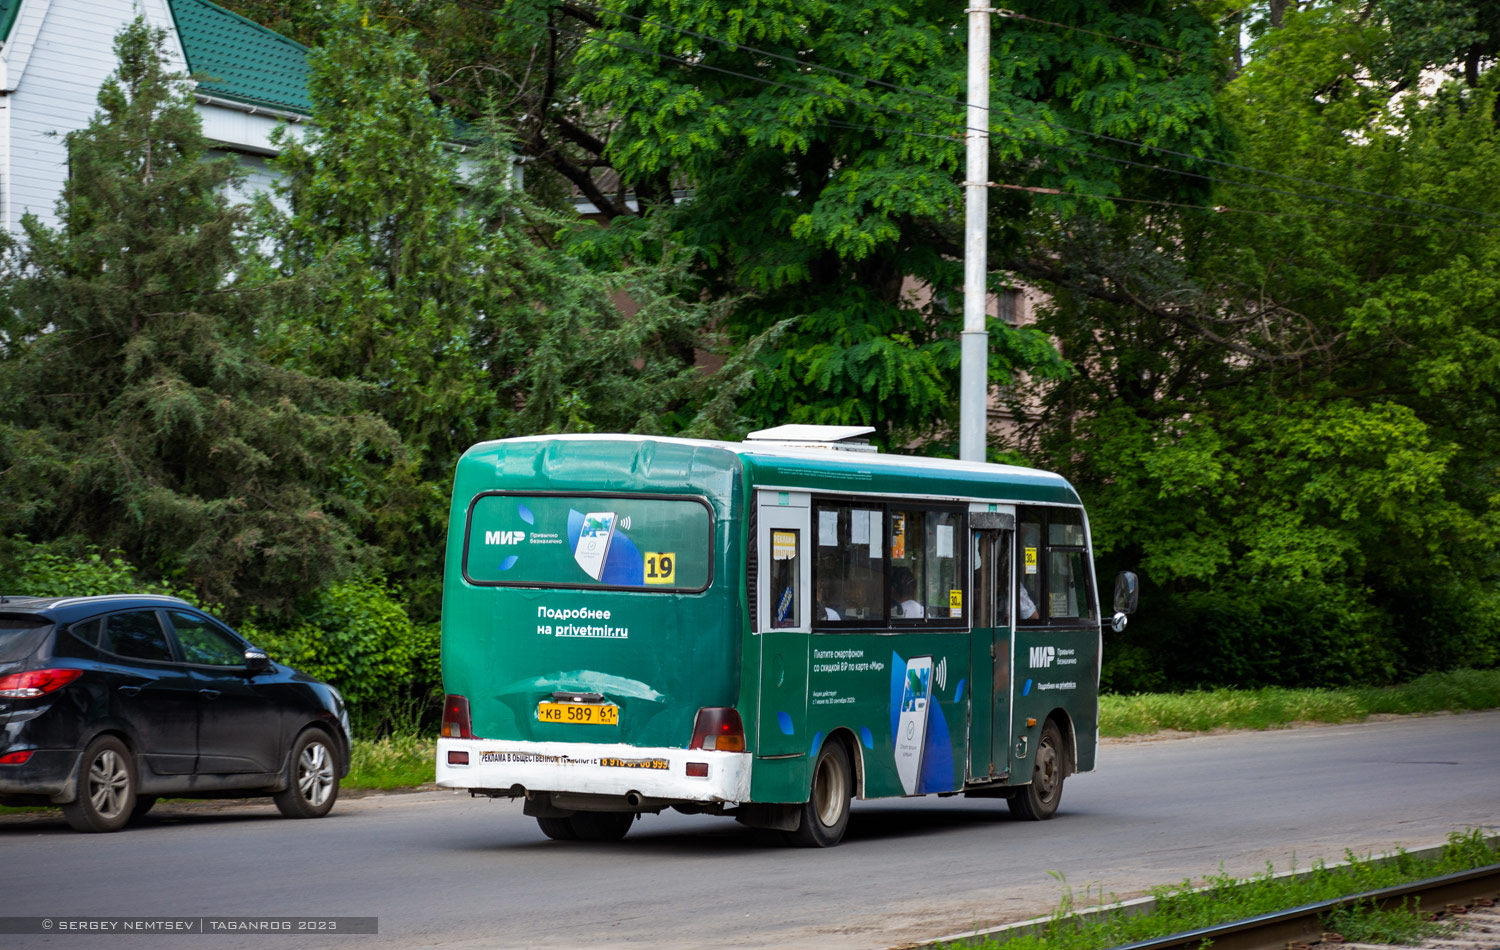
(312, 778)
(106, 788)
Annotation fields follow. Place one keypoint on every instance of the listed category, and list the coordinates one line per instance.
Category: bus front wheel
(1038, 801)
(825, 814)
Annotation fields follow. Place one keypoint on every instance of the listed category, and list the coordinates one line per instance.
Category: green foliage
(434, 283)
(1276, 707)
(402, 760)
(358, 636)
(69, 568)
(396, 274)
(830, 195)
(1365, 922)
(1284, 416)
(132, 406)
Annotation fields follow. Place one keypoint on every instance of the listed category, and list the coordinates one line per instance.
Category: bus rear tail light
(35, 683)
(718, 729)
(456, 721)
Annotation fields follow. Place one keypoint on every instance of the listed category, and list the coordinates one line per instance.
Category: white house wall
(59, 54)
(244, 130)
(259, 178)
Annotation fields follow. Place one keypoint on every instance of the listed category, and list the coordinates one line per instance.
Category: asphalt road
(439, 869)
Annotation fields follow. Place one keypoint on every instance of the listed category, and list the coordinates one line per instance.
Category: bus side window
(1067, 567)
(1028, 571)
(991, 588)
(982, 563)
(849, 572)
(1067, 585)
(942, 595)
(786, 577)
(1002, 579)
(908, 565)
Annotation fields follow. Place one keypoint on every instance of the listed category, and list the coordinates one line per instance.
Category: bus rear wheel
(558, 829)
(588, 826)
(825, 814)
(1038, 801)
(601, 825)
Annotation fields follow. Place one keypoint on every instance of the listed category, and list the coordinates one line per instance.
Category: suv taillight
(456, 722)
(35, 683)
(718, 729)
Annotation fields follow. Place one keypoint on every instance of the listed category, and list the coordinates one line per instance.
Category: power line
(1223, 209)
(958, 102)
(1013, 15)
(594, 37)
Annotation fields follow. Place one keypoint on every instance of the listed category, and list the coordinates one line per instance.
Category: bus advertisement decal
(931, 766)
(580, 541)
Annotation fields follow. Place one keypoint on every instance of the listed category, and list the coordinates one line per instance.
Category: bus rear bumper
(595, 769)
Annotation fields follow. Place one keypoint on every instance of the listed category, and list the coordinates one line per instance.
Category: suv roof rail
(69, 601)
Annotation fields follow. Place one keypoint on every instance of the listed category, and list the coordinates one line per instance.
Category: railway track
(1468, 898)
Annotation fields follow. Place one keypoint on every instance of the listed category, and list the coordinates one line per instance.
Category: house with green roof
(55, 54)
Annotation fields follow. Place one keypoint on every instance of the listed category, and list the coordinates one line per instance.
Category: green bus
(763, 629)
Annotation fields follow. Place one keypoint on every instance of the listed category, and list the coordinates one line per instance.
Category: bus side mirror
(1127, 593)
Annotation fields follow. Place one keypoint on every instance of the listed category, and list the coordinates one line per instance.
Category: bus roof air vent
(840, 438)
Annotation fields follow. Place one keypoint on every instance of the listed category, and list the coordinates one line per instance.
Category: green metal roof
(238, 59)
(8, 11)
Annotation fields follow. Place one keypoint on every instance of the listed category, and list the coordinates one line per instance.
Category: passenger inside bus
(828, 596)
(904, 594)
(1026, 610)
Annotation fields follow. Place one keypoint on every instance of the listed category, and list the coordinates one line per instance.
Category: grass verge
(1220, 899)
(1273, 707)
(1363, 922)
(399, 761)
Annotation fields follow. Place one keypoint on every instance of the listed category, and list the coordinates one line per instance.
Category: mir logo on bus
(504, 537)
(1042, 656)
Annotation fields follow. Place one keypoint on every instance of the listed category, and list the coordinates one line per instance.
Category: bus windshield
(589, 541)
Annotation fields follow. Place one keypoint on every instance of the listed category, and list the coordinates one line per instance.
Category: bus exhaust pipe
(633, 799)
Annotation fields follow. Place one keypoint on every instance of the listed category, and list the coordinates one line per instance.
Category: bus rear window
(629, 542)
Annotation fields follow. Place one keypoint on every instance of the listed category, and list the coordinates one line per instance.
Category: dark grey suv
(107, 703)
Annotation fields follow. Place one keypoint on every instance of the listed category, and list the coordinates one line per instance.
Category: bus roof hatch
(842, 438)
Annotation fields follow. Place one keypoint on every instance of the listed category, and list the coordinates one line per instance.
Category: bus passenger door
(993, 528)
(783, 621)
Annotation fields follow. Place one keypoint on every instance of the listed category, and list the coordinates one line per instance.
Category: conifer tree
(128, 371)
(436, 283)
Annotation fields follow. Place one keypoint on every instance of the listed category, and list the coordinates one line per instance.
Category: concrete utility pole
(974, 383)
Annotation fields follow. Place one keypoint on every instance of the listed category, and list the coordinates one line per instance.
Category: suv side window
(87, 631)
(81, 641)
(203, 642)
(136, 634)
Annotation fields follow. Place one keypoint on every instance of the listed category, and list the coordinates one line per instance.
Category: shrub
(358, 636)
(69, 567)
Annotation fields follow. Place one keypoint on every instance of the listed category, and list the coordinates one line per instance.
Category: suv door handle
(130, 690)
(209, 693)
